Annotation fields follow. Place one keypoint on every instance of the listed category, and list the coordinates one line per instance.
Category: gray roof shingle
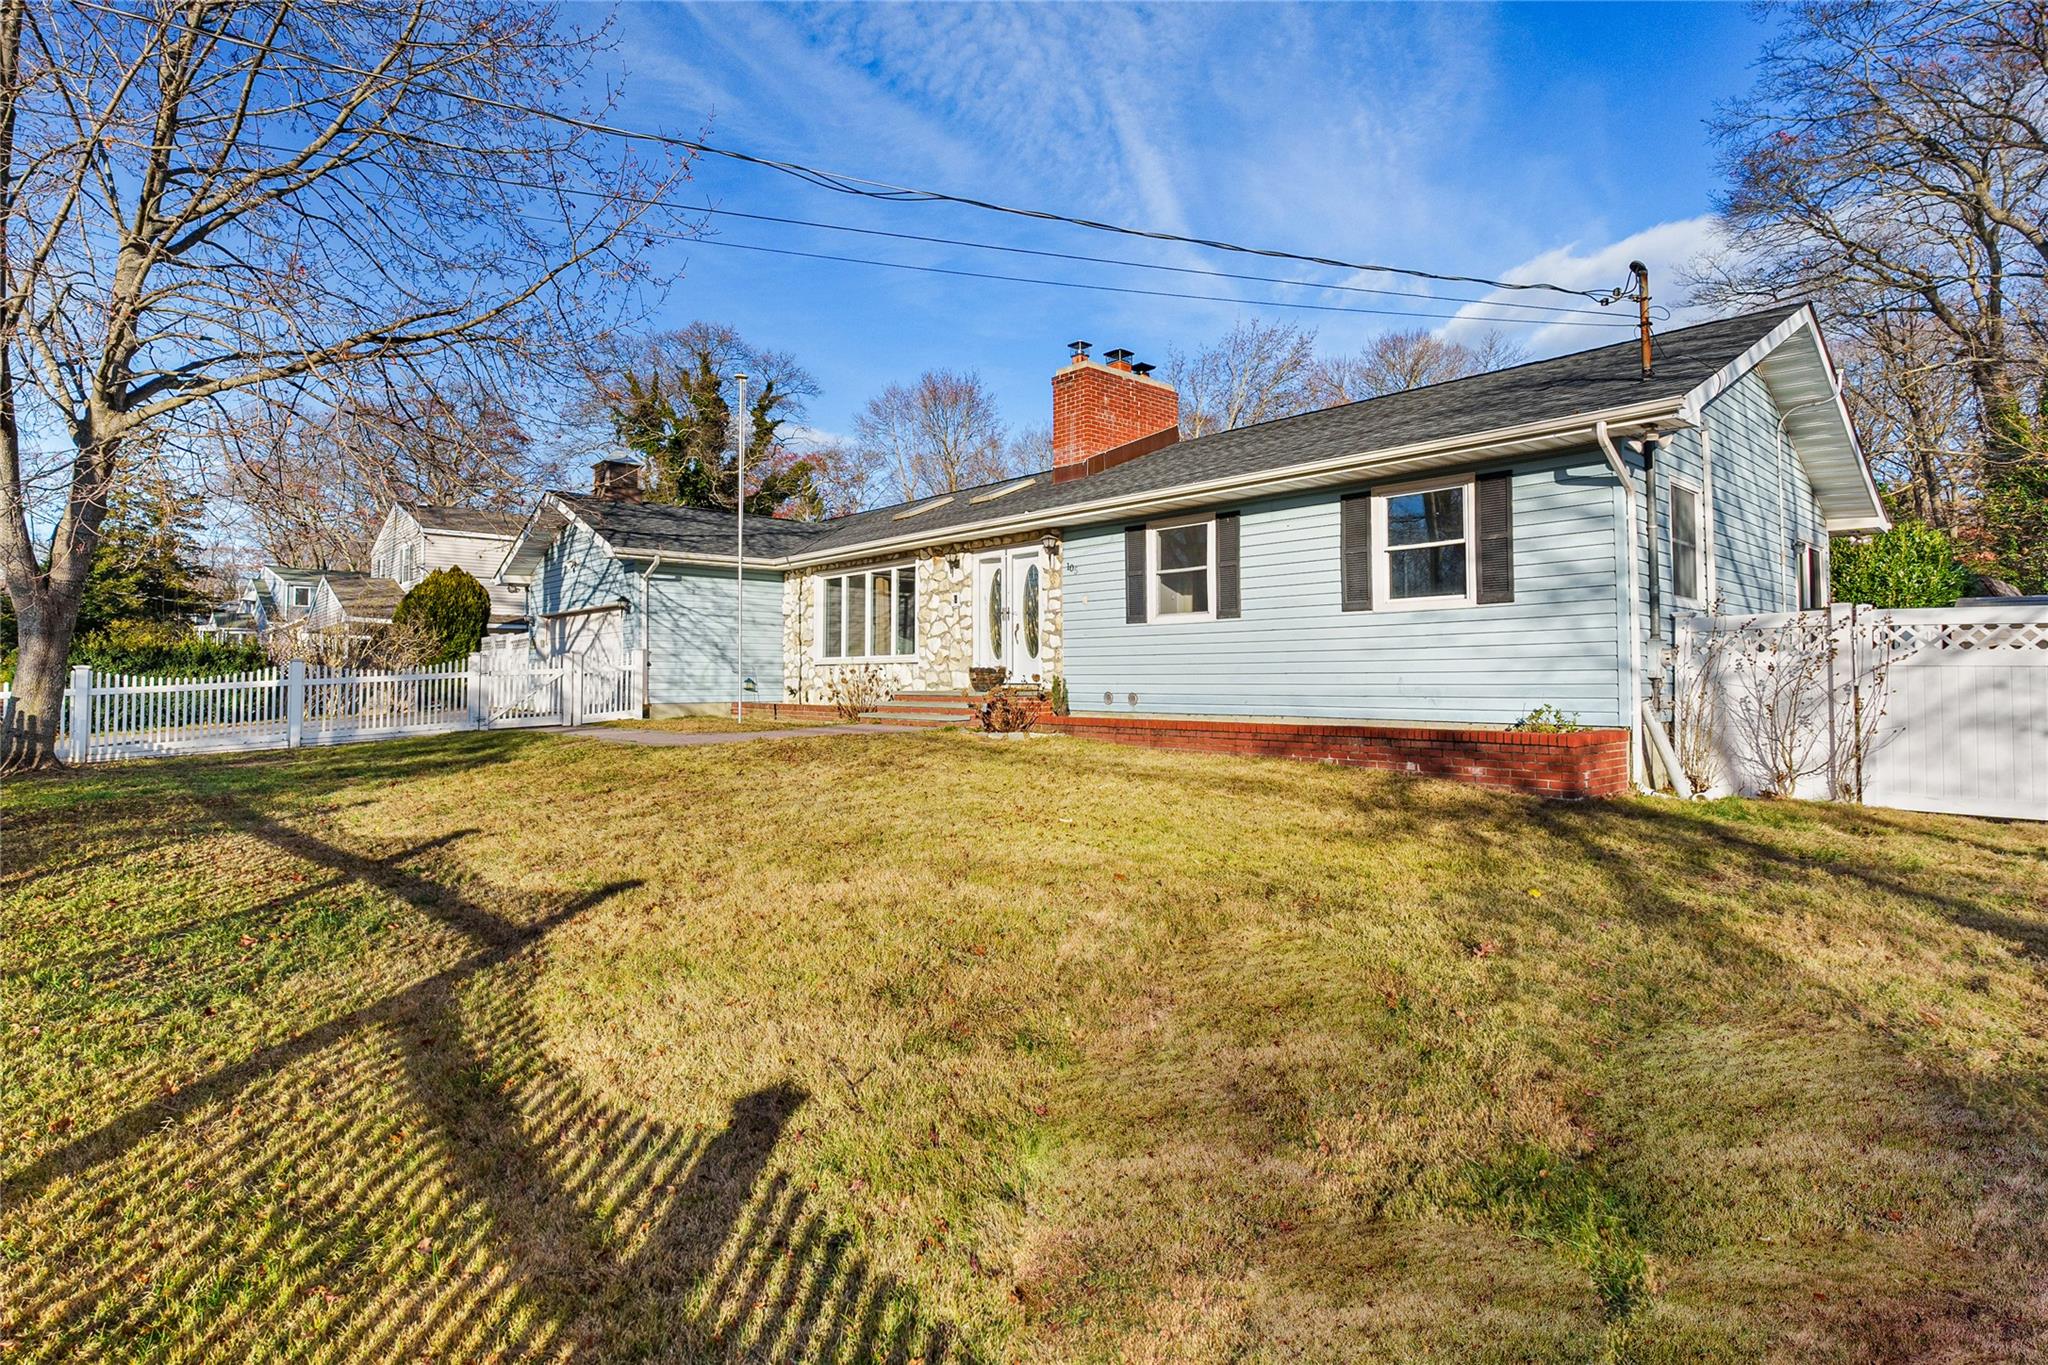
(687, 530)
(468, 521)
(1584, 381)
(364, 598)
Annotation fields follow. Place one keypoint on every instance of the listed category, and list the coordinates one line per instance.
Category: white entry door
(1009, 613)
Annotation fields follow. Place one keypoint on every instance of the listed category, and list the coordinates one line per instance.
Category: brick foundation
(1581, 764)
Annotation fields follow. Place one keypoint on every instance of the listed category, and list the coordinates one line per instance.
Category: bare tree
(310, 485)
(1891, 159)
(1912, 408)
(1394, 361)
(1258, 371)
(936, 435)
(204, 205)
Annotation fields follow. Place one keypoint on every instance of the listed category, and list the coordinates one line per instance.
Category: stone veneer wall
(945, 620)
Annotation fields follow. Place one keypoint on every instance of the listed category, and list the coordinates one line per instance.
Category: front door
(1009, 613)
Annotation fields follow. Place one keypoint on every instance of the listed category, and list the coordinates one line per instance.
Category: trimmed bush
(451, 607)
(1911, 565)
(158, 649)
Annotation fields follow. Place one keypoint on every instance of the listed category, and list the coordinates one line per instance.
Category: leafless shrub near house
(1798, 700)
(1696, 712)
(1006, 713)
(851, 691)
(394, 648)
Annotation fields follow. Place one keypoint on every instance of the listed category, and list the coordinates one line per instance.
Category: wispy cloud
(1667, 249)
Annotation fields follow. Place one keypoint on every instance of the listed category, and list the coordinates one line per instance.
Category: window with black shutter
(1228, 600)
(1495, 496)
(1354, 530)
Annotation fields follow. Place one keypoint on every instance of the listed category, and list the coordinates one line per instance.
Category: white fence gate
(115, 716)
(1950, 706)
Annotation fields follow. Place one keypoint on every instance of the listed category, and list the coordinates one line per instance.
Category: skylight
(1004, 491)
(921, 507)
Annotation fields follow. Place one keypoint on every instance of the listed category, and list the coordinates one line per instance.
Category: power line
(1131, 289)
(864, 187)
(358, 191)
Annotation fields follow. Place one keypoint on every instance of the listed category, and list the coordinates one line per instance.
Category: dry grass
(912, 1046)
(712, 725)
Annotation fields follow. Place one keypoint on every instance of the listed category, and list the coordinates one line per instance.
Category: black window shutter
(1134, 574)
(1354, 531)
(1228, 605)
(1496, 497)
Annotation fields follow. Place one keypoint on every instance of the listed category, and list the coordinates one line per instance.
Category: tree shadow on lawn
(523, 1215)
(1990, 1131)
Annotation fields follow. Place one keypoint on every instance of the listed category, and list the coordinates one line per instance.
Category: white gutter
(1663, 411)
(1633, 710)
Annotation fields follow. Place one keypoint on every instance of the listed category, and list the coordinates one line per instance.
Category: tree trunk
(41, 674)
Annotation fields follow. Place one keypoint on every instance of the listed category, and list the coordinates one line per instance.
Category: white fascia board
(1530, 438)
(526, 530)
(1805, 320)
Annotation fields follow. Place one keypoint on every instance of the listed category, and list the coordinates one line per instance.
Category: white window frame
(1810, 569)
(302, 597)
(1153, 615)
(865, 577)
(1677, 485)
(1383, 598)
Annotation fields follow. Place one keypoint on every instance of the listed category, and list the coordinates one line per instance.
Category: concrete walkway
(683, 739)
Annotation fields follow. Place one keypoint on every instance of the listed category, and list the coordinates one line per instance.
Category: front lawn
(912, 1046)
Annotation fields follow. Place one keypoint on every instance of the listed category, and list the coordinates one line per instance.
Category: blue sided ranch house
(1394, 581)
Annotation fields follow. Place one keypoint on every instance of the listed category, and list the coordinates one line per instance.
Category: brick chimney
(618, 480)
(1106, 413)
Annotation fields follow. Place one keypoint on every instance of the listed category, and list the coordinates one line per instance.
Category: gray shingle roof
(468, 521)
(687, 530)
(364, 598)
(1582, 382)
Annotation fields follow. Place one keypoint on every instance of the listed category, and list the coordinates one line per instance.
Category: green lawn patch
(877, 1047)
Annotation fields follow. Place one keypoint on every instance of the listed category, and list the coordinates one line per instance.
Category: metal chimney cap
(1118, 354)
(1143, 367)
(1079, 348)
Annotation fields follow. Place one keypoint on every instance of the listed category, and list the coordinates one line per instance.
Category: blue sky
(1522, 142)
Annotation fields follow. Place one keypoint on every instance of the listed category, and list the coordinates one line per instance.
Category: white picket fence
(110, 716)
(1953, 704)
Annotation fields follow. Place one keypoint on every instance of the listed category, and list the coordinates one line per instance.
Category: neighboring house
(353, 602)
(1455, 555)
(600, 566)
(417, 538)
(278, 596)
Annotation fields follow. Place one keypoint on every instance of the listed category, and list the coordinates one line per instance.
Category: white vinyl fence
(1941, 710)
(114, 716)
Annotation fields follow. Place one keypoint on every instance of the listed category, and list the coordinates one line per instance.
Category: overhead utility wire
(358, 191)
(1147, 293)
(863, 187)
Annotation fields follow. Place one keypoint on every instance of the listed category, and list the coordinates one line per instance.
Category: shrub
(854, 690)
(1548, 720)
(1056, 696)
(1911, 565)
(1005, 713)
(159, 649)
(452, 607)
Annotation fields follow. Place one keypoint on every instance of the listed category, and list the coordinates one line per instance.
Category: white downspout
(1711, 588)
(1633, 710)
(1788, 571)
(647, 637)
